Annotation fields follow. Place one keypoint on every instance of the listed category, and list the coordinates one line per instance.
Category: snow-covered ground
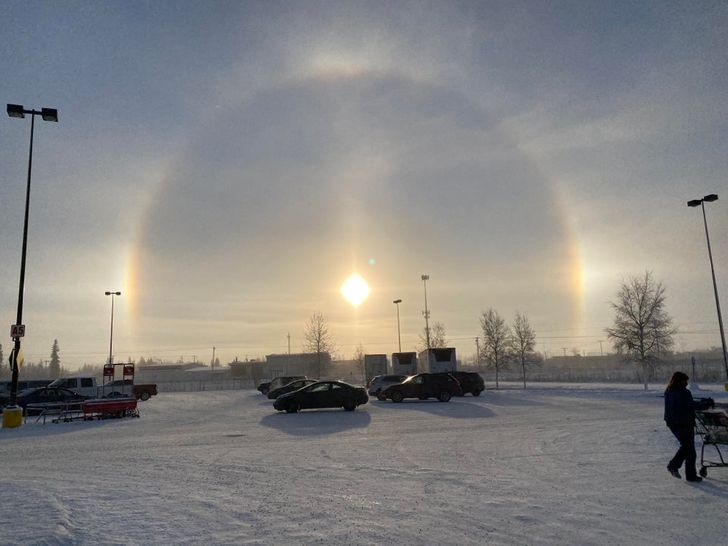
(548, 465)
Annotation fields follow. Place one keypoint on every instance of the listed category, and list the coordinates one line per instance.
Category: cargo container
(374, 365)
(437, 360)
(404, 363)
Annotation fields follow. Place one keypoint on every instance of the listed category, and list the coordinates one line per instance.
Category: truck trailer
(437, 360)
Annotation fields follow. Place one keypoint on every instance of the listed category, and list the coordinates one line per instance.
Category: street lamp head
(425, 277)
(114, 293)
(397, 301)
(710, 198)
(49, 114)
(695, 203)
(15, 111)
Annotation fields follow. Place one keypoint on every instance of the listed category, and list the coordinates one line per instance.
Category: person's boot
(693, 479)
(674, 472)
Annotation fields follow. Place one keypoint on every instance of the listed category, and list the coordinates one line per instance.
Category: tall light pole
(111, 337)
(426, 278)
(18, 330)
(694, 203)
(399, 337)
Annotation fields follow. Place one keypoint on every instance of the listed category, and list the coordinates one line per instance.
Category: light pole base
(12, 417)
(726, 386)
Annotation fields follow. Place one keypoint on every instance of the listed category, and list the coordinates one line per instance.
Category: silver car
(379, 383)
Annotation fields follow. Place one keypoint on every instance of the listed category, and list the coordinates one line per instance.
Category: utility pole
(600, 348)
(426, 278)
(477, 351)
(564, 349)
(213, 358)
(289, 343)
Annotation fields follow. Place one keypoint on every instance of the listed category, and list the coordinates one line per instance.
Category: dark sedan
(292, 386)
(323, 394)
(35, 401)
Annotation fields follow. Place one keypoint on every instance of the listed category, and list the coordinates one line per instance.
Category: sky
(227, 165)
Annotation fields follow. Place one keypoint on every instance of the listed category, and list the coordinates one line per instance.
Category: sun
(355, 289)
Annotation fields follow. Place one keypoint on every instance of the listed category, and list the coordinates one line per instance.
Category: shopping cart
(712, 426)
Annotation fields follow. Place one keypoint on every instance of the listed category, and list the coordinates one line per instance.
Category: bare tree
(524, 341)
(358, 357)
(317, 338)
(642, 328)
(497, 341)
(438, 337)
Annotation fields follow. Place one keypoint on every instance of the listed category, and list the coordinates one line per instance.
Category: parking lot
(541, 466)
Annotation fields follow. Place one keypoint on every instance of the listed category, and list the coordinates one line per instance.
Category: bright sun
(355, 289)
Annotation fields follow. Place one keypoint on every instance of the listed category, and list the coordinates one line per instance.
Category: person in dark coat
(680, 418)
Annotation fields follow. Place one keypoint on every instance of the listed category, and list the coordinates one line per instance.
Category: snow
(558, 464)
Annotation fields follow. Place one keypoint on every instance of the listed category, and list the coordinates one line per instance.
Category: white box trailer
(374, 365)
(404, 363)
(437, 360)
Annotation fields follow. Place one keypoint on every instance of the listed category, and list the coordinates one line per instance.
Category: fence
(211, 385)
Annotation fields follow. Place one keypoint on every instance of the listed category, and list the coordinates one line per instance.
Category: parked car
(127, 387)
(23, 385)
(292, 386)
(323, 394)
(380, 382)
(470, 382)
(442, 386)
(34, 401)
(283, 380)
(263, 387)
(85, 385)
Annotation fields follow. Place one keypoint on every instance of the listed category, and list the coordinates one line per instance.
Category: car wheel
(397, 396)
(444, 396)
(349, 406)
(476, 393)
(144, 396)
(380, 396)
(292, 408)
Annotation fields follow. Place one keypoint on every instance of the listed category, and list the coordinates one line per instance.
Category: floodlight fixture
(16, 111)
(49, 114)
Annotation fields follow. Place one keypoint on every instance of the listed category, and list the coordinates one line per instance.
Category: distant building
(308, 364)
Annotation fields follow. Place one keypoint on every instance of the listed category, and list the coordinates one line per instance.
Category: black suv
(423, 386)
(470, 382)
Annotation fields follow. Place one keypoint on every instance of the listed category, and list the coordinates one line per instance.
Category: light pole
(111, 337)
(426, 278)
(399, 337)
(694, 203)
(18, 330)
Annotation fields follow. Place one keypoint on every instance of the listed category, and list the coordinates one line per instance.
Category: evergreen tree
(2, 361)
(54, 369)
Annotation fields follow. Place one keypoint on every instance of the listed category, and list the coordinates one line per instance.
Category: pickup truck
(88, 386)
(121, 387)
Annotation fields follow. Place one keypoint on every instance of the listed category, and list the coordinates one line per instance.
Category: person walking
(680, 419)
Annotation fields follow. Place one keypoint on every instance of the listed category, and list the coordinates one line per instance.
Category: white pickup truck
(87, 385)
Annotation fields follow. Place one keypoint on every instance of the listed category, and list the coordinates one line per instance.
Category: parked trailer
(437, 360)
(404, 363)
(374, 365)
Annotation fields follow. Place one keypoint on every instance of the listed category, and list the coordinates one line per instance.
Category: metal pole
(399, 335)
(111, 337)
(16, 350)
(715, 290)
(427, 313)
(213, 358)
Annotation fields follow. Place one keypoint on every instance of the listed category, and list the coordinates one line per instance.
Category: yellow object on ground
(12, 417)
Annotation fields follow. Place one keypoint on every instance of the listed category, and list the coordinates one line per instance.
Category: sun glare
(355, 289)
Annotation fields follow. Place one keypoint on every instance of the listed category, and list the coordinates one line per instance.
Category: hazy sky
(227, 165)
